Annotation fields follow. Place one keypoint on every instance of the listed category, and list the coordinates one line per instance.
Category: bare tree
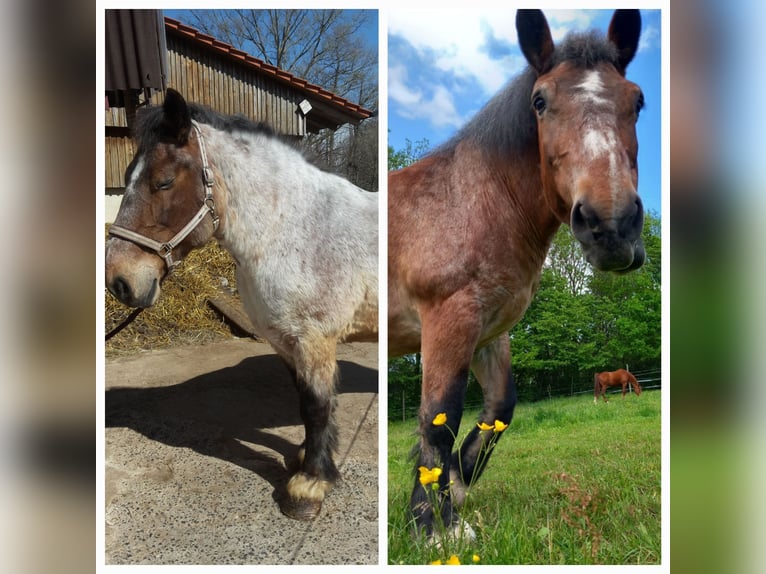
(322, 46)
(326, 48)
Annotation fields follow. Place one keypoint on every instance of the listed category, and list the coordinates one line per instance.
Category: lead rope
(125, 323)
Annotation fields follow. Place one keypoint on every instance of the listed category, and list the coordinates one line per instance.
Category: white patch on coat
(135, 175)
(592, 88)
(599, 137)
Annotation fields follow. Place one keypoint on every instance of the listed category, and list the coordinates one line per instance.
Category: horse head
(164, 212)
(586, 113)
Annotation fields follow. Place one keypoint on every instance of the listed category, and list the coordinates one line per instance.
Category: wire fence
(400, 408)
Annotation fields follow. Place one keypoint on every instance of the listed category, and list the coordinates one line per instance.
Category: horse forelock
(585, 50)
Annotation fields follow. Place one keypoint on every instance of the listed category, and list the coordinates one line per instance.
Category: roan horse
(471, 223)
(305, 243)
(617, 378)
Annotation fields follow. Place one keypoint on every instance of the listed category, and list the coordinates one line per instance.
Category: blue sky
(443, 68)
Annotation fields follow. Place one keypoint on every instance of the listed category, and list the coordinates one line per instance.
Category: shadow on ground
(215, 413)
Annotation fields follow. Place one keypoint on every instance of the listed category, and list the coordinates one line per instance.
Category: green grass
(570, 483)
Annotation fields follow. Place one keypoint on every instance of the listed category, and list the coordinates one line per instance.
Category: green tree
(582, 321)
(397, 159)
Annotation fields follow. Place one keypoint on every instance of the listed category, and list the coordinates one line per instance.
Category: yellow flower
(435, 563)
(440, 419)
(484, 426)
(475, 558)
(453, 561)
(500, 426)
(428, 476)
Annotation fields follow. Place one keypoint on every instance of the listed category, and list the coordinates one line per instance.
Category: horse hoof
(300, 509)
(460, 531)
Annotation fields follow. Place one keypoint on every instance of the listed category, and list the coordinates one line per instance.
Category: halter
(165, 250)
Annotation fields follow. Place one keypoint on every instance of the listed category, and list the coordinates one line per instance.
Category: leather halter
(165, 250)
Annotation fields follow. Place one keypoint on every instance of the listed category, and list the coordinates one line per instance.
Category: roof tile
(282, 75)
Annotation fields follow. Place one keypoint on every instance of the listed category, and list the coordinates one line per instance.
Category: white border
(384, 7)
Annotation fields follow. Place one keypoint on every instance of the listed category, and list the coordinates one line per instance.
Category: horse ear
(177, 116)
(624, 32)
(535, 39)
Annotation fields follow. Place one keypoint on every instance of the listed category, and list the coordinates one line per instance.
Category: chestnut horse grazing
(617, 378)
(470, 226)
(305, 243)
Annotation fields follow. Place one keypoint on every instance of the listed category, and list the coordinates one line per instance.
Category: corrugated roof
(267, 69)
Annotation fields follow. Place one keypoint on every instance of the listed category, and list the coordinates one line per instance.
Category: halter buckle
(207, 176)
(165, 250)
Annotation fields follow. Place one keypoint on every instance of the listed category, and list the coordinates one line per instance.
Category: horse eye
(538, 102)
(165, 184)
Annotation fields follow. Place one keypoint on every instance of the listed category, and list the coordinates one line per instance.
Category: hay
(182, 315)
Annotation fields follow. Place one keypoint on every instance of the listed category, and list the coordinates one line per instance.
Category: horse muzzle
(133, 278)
(610, 243)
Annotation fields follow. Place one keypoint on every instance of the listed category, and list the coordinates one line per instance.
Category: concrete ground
(197, 439)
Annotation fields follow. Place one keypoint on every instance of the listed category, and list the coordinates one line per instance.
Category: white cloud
(398, 89)
(438, 107)
(650, 38)
(453, 40)
(442, 109)
(453, 43)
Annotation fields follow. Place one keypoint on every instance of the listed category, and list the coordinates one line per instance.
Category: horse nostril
(583, 219)
(578, 219)
(633, 220)
(120, 289)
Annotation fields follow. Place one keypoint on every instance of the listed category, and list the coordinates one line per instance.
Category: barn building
(146, 53)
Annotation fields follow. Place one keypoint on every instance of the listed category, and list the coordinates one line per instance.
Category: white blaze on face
(599, 137)
(127, 207)
(135, 175)
(592, 89)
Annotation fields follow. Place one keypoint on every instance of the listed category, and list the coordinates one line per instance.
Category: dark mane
(230, 124)
(506, 124)
(585, 50)
(151, 127)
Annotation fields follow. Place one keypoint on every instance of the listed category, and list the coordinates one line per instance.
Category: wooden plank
(231, 308)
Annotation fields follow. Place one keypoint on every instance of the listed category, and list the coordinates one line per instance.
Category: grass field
(569, 483)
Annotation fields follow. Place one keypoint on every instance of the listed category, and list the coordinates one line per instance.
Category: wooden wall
(216, 81)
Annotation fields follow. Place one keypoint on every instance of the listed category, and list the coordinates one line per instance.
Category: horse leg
(450, 331)
(492, 367)
(315, 373)
(596, 389)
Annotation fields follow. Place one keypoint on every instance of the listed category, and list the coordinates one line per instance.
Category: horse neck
(521, 186)
(256, 183)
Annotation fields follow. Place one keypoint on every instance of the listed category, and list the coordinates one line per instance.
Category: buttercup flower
(453, 561)
(500, 426)
(440, 419)
(484, 426)
(428, 476)
(475, 558)
(435, 563)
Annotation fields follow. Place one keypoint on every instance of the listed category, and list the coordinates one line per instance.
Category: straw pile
(181, 315)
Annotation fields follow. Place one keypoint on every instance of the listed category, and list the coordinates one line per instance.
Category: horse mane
(507, 124)
(151, 128)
